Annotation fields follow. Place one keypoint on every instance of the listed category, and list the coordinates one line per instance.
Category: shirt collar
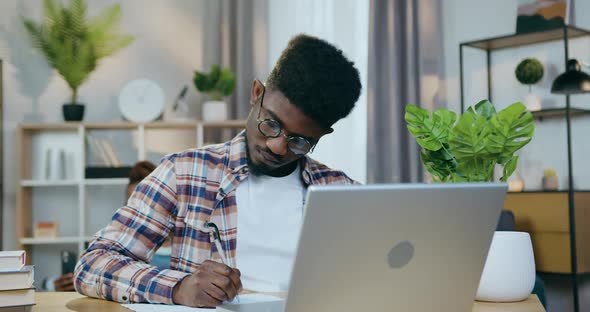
(238, 160)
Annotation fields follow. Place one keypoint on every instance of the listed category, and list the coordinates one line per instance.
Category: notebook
(18, 297)
(19, 279)
(12, 260)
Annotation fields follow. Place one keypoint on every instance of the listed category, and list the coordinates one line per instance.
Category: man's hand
(64, 283)
(209, 286)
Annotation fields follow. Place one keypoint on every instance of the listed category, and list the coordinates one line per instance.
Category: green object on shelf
(217, 83)
(73, 43)
(549, 173)
(468, 150)
(529, 71)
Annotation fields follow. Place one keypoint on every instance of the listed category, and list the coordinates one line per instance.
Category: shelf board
(44, 183)
(237, 124)
(115, 125)
(559, 112)
(172, 125)
(125, 125)
(107, 181)
(517, 40)
(50, 240)
(65, 126)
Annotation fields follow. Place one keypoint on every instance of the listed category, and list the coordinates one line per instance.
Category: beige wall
(171, 42)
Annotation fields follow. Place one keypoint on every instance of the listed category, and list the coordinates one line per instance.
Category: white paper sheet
(143, 307)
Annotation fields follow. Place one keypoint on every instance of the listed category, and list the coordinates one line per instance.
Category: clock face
(141, 100)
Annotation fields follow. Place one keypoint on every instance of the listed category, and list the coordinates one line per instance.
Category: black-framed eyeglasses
(271, 128)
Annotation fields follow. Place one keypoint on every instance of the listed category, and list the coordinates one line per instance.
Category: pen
(220, 250)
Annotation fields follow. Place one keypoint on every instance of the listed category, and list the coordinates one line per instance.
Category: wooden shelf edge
(50, 240)
(123, 125)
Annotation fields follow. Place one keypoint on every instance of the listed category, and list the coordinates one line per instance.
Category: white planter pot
(532, 102)
(509, 271)
(214, 111)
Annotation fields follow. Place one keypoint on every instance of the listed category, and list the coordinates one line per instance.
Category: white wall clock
(141, 101)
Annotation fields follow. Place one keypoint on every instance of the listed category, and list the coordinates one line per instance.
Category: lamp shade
(573, 81)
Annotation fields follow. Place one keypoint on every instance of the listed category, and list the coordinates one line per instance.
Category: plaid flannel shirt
(187, 190)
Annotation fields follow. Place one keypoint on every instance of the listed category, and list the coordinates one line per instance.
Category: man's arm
(114, 267)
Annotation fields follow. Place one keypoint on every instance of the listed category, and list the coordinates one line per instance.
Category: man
(251, 188)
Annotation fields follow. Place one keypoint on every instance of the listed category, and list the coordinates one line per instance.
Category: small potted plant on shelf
(216, 84)
(528, 72)
(550, 180)
(467, 149)
(73, 44)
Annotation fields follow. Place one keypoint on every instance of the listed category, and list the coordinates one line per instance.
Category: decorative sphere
(529, 71)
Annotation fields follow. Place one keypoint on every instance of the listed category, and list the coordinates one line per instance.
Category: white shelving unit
(92, 201)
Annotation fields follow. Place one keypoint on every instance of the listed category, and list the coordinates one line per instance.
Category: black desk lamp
(573, 81)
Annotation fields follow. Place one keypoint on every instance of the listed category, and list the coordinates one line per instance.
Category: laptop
(402, 247)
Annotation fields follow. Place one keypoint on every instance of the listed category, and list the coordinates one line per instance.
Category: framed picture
(539, 15)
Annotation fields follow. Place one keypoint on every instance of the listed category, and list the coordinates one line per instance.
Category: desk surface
(71, 301)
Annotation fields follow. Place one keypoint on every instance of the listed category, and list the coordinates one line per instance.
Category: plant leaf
(72, 43)
(430, 134)
(440, 164)
(511, 130)
(226, 83)
(485, 108)
(467, 144)
(509, 168)
(201, 81)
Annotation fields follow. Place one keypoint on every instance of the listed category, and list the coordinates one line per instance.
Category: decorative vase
(509, 271)
(214, 111)
(73, 111)
(516, 182)
(532, 102)
(550, 183)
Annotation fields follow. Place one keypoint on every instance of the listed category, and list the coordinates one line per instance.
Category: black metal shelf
(563, 34)
(559, 113)
(518, 40)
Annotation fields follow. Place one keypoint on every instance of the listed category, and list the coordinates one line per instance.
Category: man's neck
(283, 171)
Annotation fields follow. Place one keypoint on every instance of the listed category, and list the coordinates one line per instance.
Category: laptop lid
(402, 247)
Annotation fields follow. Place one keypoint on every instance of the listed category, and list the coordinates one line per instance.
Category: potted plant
(528, 72)
(73, 43)
(550, 180)
(468, 150)
(216, 84)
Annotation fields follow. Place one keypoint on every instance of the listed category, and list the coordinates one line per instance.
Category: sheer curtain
(343, 23)
(405, 67)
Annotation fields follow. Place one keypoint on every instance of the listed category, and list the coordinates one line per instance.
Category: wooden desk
(71, 301)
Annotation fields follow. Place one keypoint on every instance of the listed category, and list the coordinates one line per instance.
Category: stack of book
(16, 282)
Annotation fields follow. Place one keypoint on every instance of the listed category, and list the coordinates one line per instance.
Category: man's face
(272, 156)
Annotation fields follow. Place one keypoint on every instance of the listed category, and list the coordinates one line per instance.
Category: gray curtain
(245, 48)
(399, 59)
(239, 41)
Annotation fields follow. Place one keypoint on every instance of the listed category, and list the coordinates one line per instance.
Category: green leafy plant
(549, 173)
(529, 71)
(73, 43)
(467, 150)
(217, 83)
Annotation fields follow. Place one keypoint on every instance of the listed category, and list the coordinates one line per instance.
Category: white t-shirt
(270, 213)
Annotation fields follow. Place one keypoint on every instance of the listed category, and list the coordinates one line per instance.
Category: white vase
(532, 102)
(509, 271)
(214, 111)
